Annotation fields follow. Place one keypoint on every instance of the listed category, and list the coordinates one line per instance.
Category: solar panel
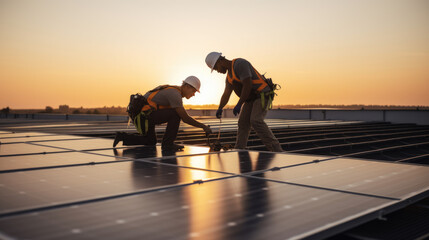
(40, 138)
(25, 148)
(394, 180)
(31, 189)
(150, 152)
(83, 144)
(14, 163)
(62, 159)
(21, 134)
(242, 161)
(139, 192)
(235, 208)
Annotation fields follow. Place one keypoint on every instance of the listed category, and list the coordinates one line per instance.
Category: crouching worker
(162, 105)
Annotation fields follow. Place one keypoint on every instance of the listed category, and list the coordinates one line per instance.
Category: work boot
(172, 147)
(119, 137)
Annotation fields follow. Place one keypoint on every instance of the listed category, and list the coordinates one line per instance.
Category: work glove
(219, 113)
(207, 130)
(237, 109)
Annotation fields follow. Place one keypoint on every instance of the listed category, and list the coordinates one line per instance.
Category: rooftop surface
(337, 180)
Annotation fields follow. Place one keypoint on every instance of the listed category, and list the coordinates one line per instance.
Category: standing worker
(163, 105)
(255, 94)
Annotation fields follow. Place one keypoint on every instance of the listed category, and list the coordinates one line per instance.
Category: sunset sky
(95, 53)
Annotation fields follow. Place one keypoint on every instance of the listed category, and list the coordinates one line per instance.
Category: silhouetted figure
(256, 94)
(163, 105)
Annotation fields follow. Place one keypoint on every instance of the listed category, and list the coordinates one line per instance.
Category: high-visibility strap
(138, 123)
(152, 105)
(270, 102)
(143, 127)
(270, 96)
(149, 100)
(258, 81)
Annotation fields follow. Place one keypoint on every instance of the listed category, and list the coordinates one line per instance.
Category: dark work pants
(168, 116)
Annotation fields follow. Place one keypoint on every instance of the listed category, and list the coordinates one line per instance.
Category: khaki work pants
(252, 115)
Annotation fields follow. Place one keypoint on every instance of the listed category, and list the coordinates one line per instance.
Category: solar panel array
(68, 187)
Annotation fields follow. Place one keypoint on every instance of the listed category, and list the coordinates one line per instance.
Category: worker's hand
(207, 130)
(219, 113)
(237, 109)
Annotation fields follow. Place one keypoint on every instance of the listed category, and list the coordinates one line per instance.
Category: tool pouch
(140, 118)
(141, 121)
(267, 98)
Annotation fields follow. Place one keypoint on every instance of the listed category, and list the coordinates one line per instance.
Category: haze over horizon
(96, 53)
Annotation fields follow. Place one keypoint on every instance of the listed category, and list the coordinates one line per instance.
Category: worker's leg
(258, 124)
(172, 119)
(137, 139)
(244, 126)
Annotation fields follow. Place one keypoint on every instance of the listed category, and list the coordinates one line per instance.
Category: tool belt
(141, 122)
(140, 118)
(269, 95)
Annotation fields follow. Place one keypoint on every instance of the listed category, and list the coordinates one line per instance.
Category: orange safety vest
(260, 81)
(154, 106)
(143, 127)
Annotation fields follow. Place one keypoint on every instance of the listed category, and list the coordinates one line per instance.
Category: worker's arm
(226, 95)
(245, 91)
(191, 121)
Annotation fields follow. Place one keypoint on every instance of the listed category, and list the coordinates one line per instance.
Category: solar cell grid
(92, 201)
(22, 134)
(242, 161)
(60, 185)
(25, 148)
(40, 138)
(83, 144)
(143, 152)
(363, 176)
(236, 208)
(15, 163)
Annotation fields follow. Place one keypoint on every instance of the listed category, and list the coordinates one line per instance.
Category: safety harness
(262, 82)
(150, 106)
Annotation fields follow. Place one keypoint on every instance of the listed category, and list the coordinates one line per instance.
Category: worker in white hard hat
(256, 94)
(163, 105)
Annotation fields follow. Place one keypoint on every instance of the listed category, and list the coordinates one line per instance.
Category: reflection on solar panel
(38, 138)
(52, 188)
(25, 148)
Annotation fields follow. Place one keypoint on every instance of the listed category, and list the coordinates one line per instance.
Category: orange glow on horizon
(98, 53)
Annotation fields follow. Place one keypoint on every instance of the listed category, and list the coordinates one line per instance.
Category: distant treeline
(65, 109)
(352, 107)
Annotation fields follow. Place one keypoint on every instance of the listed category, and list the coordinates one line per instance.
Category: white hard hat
(212, 58)
(194, 82)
